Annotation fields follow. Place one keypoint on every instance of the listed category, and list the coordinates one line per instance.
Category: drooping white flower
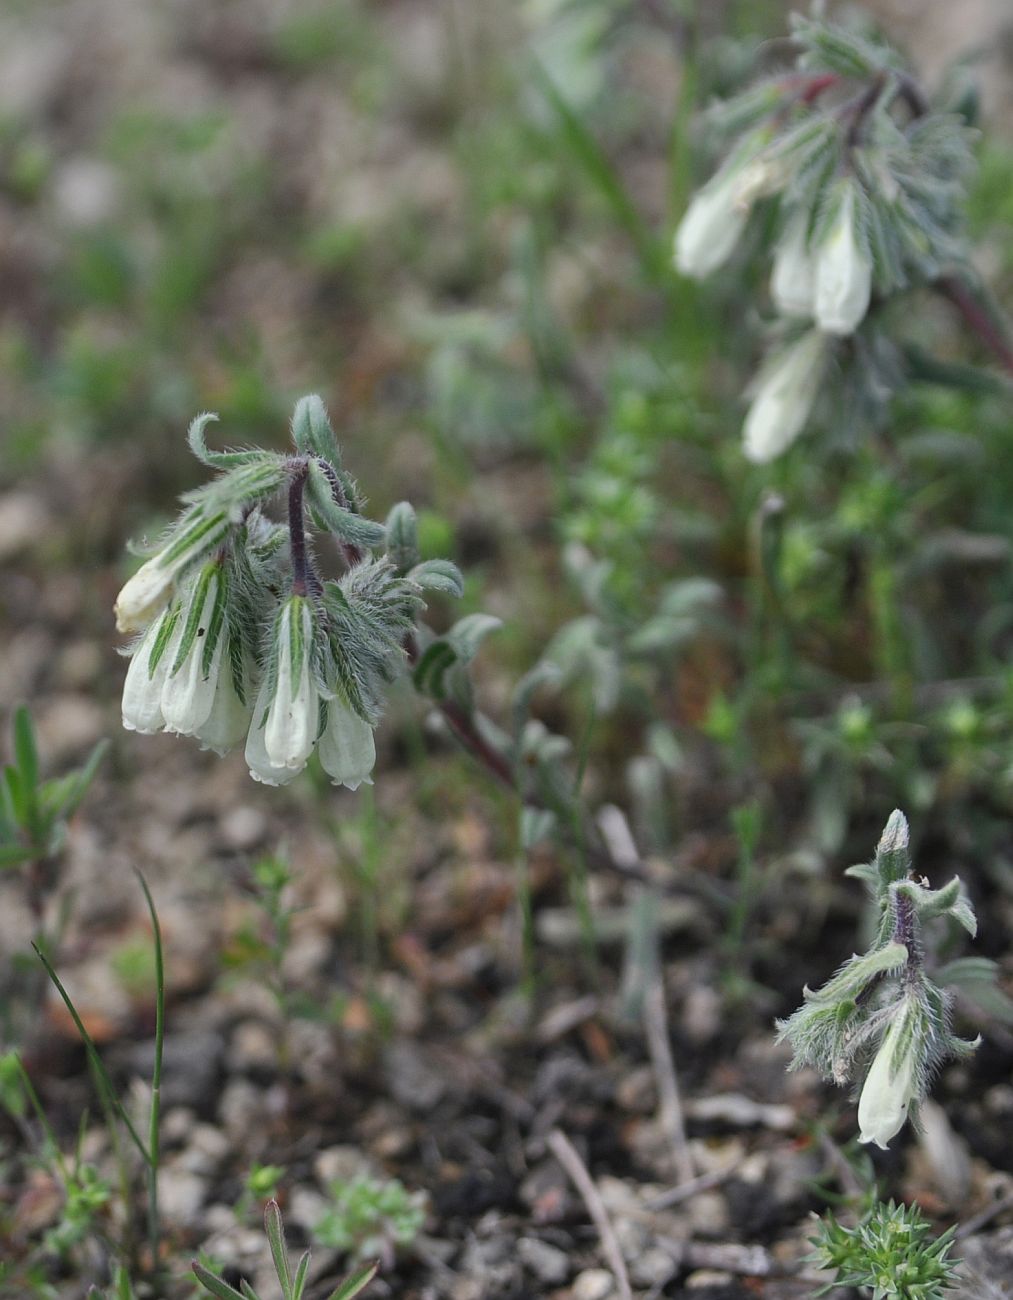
(229, 719)
(717, 214)
(843, 271)
(286, 715)
(347, 751)
(150, 589)
(793, 278)
(142, 687)
(785, 392)
(889, 1088)
(191, 685)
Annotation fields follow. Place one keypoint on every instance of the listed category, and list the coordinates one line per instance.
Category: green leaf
(62, 797)
(312, 431)
(331, 517)
(275, 1229)
(605, 179)
(402, 537)
(17, 796)
(93, 1055)
(537, 824)
(431, 667)
(302, 1269)
(438, 575)
(214, 1284)
(212, 629)
(355, 1282)
(469, 632)
(198, 534)
(215, 459)
(26, 753)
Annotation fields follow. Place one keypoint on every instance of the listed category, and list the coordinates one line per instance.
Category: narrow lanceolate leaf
(241, 486)
(215, 1284)
(276, 1236)
(438, 575)
(162, 639)
(354, 1283)
(312, 431)
(302, 1268)
(194, 614)
(215, 459)
(197, 535)
(28, 770)
(856, 973)
(63, 796)
(829, 48)
(332, 517)
(25, 751)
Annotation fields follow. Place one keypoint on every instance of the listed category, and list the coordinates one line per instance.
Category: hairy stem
(353, 554)
(977, 318)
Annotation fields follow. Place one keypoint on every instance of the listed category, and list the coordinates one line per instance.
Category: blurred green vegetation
(454, 223)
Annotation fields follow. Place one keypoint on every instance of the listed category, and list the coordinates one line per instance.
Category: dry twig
(566, 1153)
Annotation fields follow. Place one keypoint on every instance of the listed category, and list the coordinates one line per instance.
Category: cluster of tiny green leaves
(891, 1252)
(369, 1216)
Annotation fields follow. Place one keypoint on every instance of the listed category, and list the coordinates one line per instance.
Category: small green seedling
(890, 1252)
(371, 1217)
(34, 812)
(292, 1284)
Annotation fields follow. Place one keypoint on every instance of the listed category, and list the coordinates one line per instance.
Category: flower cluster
(868, 183)
(881, 1014)
(240, 635)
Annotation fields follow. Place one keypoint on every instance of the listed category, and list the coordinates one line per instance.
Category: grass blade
(93, 1054)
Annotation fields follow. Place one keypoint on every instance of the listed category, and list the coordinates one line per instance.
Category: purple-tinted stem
(297, 532)
(977, 318)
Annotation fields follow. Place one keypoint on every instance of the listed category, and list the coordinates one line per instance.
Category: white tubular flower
(889, 1088)
(142, 689)
(347, 752)
(286, 718)
(191, 684)
(785, 393)
(151, 588)
(793, 279)
(229, 719)
(843, 272)
(143, 596)
(717, 214)
(710, 229)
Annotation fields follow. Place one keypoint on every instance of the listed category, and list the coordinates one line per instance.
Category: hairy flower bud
(889, 1088)
(785, 393)
(347, 752)
(147, 593)
(142, 688)
(717, 214)
(793, 279)
(286, 715)
(843, 271)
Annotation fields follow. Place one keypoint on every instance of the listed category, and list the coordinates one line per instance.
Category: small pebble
(593, 1284)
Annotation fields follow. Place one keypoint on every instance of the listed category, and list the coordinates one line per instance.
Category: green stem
(154, 1138)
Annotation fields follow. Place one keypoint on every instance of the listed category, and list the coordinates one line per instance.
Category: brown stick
(565, 1152)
